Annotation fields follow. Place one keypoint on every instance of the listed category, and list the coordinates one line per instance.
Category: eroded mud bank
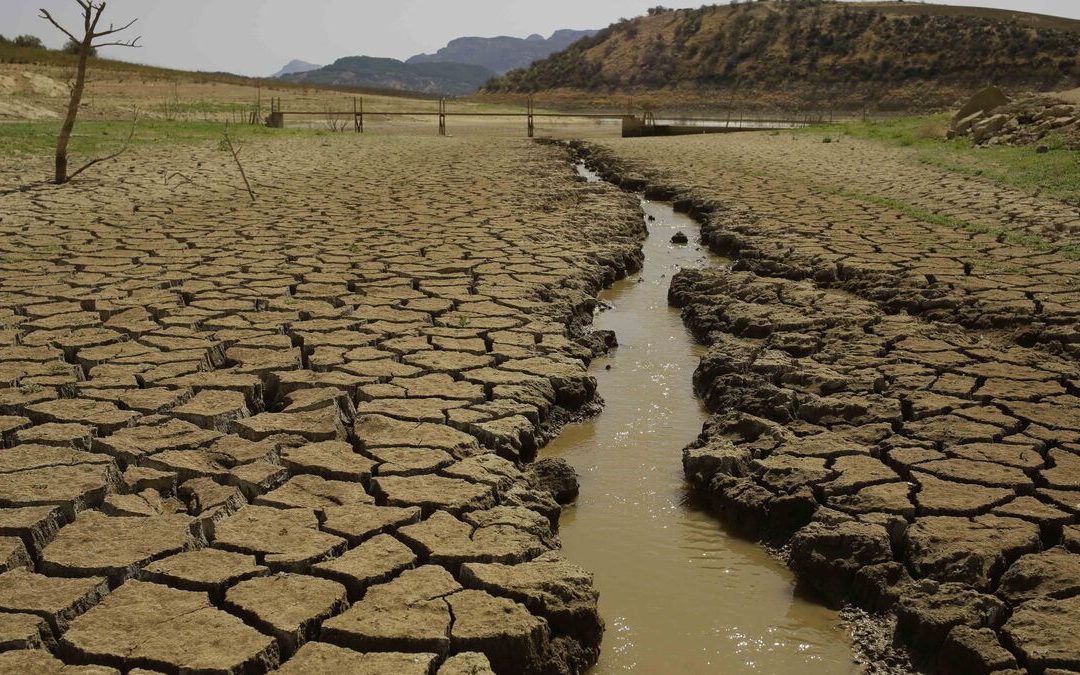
(679, 593)
(911, 467)
(907, 237)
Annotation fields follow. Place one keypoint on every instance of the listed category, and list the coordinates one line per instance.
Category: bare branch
(48, 17)
(127, 43)
(122, 150)
(169, 175)
(236, 158)
(112, 30)
(92, 24)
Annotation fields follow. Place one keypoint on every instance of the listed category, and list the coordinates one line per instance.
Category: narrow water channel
(678, 593)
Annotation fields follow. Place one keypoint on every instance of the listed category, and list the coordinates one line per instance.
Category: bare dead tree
(235, 152)
(87, 44)
(334, 122)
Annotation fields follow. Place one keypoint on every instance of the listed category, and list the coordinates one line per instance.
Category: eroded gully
(679, 594)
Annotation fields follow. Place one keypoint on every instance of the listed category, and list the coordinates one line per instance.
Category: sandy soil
(297, 431)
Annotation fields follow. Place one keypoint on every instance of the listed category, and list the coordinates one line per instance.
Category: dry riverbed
(892, 369)
(298, 432)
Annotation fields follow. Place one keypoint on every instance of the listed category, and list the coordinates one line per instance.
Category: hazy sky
(257, 37)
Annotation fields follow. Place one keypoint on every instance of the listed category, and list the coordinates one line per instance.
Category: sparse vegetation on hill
(503, 53)
(366, 71)
(807, 51)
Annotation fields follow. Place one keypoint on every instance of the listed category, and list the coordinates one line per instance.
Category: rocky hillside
(503, 53)
(811, 53)
(296, 66)
(453, 79)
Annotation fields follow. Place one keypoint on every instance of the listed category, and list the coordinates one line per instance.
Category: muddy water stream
(678, 593)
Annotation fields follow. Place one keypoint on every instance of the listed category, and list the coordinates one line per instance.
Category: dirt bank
(911, 467)
(873, 221)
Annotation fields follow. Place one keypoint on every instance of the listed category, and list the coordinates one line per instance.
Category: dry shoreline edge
(810, 450)
(733, 231)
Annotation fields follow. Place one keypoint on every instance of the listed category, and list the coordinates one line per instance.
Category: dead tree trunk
(92, 12)
(62, 140)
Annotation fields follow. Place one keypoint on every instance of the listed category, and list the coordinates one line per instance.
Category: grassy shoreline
(34, 139)
(1055, 173)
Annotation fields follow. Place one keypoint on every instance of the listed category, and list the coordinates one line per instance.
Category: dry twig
(122, 150)
(235, 152)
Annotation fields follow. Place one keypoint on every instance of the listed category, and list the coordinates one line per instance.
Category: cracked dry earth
(296, 434)
(908, 433)
(994, 257)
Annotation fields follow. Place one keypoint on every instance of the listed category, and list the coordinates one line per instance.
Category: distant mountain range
(502, 54)
(296, 66)
(459, 68)
(453, 79)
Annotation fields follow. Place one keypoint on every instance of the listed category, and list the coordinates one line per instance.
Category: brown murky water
(679, 594)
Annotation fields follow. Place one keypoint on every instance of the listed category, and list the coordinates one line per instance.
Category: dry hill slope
(812, 52)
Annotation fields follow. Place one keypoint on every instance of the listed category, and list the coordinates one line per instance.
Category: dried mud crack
(297, 434)
(886, 426)
(870, 220)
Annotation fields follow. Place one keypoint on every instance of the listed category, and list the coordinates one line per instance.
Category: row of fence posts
(276, 117)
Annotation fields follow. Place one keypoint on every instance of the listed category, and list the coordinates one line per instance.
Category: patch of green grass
(1055, 173)
(196, 107)
(37, 139)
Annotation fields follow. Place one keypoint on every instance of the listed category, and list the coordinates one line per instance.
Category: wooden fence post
(442, 116)
(530, 108)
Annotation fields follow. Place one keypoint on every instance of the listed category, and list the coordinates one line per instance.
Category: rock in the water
(679, 238)
(556, 476)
